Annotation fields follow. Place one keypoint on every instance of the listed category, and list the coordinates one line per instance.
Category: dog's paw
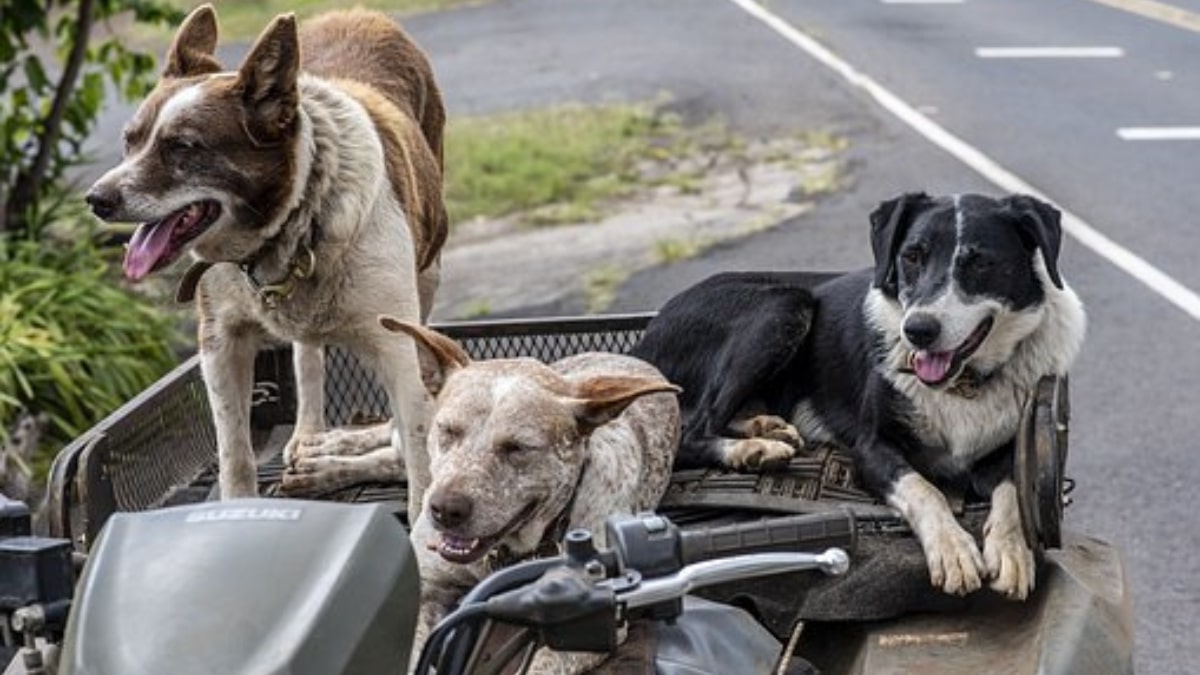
(311, 476)
(1010, 563)
(774, 428)
(755, 454)
(334, 442)
(955, 564)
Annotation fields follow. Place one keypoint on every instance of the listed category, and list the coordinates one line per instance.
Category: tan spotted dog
(307, 184)
(521, 450)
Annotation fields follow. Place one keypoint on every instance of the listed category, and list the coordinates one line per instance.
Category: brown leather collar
(186, 292)
(301, 267)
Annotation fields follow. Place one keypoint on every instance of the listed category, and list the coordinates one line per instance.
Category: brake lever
(833, 561)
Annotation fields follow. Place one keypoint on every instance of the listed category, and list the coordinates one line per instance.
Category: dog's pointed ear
(1040, 227)
(598, 400)
(444, 356)
(889, 225)
(192, 49)
(268, 82)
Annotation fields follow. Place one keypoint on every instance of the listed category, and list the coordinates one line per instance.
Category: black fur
(728, 342)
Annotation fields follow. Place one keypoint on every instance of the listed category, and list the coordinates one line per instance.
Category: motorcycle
(324, 587)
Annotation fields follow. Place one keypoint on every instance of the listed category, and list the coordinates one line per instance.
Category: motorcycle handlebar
(574, 602)
(811, 532)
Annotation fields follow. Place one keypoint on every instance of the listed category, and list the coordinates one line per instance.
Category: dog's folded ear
(598, 400)
(191, 52)
(441, 356)
(889, 225)
(268, 82)
(1040, 227)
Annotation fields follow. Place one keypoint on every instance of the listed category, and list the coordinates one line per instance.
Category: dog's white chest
(968, 428)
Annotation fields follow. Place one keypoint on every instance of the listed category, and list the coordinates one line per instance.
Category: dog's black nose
(450, 509)
(922, 330)
(104, 203)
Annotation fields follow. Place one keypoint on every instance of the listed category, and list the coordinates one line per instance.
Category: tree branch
(29, 181)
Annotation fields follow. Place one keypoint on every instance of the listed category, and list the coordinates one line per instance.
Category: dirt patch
(499, 266)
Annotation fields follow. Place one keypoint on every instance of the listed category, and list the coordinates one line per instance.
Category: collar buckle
(301, 267)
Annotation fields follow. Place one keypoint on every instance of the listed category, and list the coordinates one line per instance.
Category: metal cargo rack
(159, 449)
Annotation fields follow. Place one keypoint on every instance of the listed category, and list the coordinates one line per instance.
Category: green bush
(73, 343)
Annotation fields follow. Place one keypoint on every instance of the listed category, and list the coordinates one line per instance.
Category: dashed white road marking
(1049, 52)
(1159, 133)
(1132, 264)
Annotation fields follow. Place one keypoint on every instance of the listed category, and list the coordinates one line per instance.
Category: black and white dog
(920, 366)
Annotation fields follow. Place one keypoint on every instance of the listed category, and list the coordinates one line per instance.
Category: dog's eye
(511, 448)
(913, 256)
(179, 144)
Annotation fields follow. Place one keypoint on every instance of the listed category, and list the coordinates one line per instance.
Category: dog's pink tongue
(148, 246)
(932, 367)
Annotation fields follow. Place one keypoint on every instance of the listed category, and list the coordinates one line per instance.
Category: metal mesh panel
(155, 447)
(351, 390)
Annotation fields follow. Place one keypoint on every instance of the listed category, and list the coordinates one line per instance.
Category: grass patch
(820, 180)
(477, 309)
(245, 19)
(672, 250)
(600, 286)
(553, 165)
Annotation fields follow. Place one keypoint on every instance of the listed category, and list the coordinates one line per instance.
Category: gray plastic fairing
(714, 638)
(251, 586)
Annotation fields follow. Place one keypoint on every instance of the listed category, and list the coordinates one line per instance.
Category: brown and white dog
(307, 185)
(521, 451)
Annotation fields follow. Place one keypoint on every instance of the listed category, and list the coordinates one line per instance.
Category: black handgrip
(809, 532)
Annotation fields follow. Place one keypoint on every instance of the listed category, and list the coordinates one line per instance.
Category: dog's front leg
(955, 565)
(395, 361)
(411, 410)
(1010, 562)
(227, 363)
(308, 362)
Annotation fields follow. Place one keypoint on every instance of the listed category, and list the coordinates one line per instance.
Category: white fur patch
(179, 103)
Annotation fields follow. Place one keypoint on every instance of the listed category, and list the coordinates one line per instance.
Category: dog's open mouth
(157, 243)
(935, 368)
(457, 549)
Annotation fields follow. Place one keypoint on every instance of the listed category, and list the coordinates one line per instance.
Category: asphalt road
(1053, 122)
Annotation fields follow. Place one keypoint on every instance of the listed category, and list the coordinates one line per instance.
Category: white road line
(1137, 267)
(1159, 133)
(1049, 52)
